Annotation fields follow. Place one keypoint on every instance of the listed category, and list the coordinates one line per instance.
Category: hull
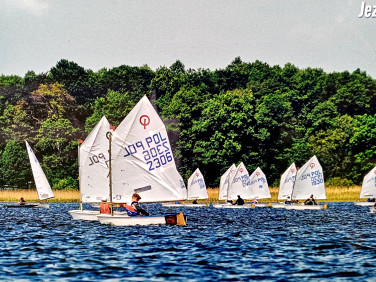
(36, 205)
(364, 204)
(229, 206)
(125, 220)
(89, 214)
(305, 207)
(184, 205)
(279, 205)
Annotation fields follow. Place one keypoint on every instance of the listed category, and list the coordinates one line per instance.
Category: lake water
(217, 244)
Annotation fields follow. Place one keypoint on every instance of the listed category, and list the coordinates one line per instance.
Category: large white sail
(309, 180)
(143, 160)
(94, 163)
(239, 184)
(197, 186)
(259, 185)
(369, 185)
(287, 182)
(224, 183)
(41, 182)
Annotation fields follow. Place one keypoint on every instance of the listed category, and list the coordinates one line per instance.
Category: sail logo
(312, 165)
(144, 120)
(292, 178)
(367, 11)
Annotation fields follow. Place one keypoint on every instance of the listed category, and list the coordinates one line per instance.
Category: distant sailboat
(142, 162)
(225, 182)
(43, 187)
(239, 185)
(196, 191)
(259, 186)
(286, 185)
(94, 169)
(309, 181)
(368, 188)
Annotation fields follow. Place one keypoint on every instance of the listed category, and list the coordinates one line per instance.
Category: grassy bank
(333, 194)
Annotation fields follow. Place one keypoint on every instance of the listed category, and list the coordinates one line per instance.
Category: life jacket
(105, 207)
(130, 210)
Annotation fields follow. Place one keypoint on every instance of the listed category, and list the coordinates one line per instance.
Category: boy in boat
(22, 201)
(239, 201)
(310, 201)
(288, 201)
(104, 206)
(134, 208)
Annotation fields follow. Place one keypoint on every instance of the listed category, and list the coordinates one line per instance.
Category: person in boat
(22, 201)
(104, 206)
(255, 202)
(194, 201)
(134, 208)
(371, 200)
(239, 201)
(310, 201)
(288, 201)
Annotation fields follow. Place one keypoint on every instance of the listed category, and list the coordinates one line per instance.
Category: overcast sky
(327, 34)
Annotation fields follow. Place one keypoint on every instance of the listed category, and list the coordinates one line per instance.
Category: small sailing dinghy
(239, 184)
(368, 188)
(285, 186)
(43, 187)
(259, 187)
(196, 191)
(309, 181)
(142, 162)
(93, 170)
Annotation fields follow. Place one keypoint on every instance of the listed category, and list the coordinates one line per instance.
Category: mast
(109, 136)
(80, 141)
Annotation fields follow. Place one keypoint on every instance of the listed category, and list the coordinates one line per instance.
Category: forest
(265, 116)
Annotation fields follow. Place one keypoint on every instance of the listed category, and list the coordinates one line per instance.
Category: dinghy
(259, 187)
(309, 181)
(196, 191)
(43, 187)
(368, 188)
(142, 162)
(93, 170)
(285, 186)
(239, 184)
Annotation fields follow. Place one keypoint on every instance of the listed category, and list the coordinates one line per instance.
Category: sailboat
(43, 187)
(286, 185)
(259, 187)
(142, 162)
(309, 181)
(239, 184)
(196, 190)
(368, 188)
(225, 181)
(94, 169)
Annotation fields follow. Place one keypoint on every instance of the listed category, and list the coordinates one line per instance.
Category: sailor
(104, 206)
(288, 201)
(310, 201)
(194, 201)
(22, 201)
(239, 201)
(134, 208)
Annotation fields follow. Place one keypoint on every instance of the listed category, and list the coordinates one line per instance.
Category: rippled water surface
(217, 244)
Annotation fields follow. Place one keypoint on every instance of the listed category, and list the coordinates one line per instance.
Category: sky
(202, 34)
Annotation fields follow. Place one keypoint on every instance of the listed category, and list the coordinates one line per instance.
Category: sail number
(315, 176)
(155, 150)
(95, 159)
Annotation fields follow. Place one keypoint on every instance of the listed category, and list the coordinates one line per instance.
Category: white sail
(239, 184)
(196, 186)
(94, 164)
(369, 185)
(259, 185)
(142, 159)
(309, 180)
(224, 183)
(41, 182)
(287, 182)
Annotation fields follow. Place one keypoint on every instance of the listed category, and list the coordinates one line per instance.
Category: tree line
(265, 116)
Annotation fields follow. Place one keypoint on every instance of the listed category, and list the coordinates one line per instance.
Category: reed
(333, 194)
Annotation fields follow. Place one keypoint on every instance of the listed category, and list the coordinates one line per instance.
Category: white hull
(184, 205)
(364, 204)
(30, 205)
(230, 206)
(304, 207)
(278, 205)
(262, 205)
(84, 215)
(125, 220)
